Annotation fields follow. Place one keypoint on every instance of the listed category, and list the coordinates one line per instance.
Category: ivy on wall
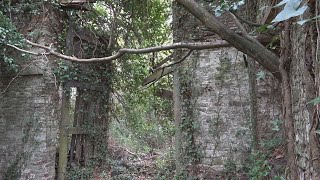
(9, 35)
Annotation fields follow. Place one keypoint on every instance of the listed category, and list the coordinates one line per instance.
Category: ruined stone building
(29, 110)
(213, 104)
(220, 104)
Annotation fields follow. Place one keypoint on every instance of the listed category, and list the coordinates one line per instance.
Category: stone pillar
(213, 109)
(29, 112)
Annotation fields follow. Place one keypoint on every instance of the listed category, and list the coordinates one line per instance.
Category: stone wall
(28, 127)
(29, 112)
(213, 94)
(221, 107)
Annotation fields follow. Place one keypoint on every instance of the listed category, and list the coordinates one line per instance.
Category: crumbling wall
(221, 108)
(212, 105)
(28, 126)
(29, 113)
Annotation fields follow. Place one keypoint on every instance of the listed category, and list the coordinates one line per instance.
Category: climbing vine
(149, 118)
(9, 35)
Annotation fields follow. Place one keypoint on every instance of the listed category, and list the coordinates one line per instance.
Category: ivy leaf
(315, 101)
(291, 9)
(261, 75)
(262, 28)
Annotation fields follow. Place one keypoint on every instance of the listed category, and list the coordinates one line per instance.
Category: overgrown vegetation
(139, 120)
(9, 35)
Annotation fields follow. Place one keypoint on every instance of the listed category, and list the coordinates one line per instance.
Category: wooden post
(63, 137)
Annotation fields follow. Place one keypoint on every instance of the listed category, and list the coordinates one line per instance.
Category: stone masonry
(29, 108)
(219, 102)
(28, 127)
(222, 107)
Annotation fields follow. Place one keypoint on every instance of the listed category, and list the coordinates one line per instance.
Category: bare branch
(265, 57)
(246, 21)
(163, 61)
(177, 62)
(157, 75)
(240, 26)
(15, 77)
(123, 51)
(24, 51)
(243, 29)
(164, 70)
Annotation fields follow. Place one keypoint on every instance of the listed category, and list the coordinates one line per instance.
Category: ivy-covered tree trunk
(182, 94)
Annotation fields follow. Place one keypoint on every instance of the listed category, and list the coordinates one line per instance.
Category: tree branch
(257, 51)
(246, 21)
(24, 51)
(123, 51)
(243, 29)
(177, 62)
(164, 70)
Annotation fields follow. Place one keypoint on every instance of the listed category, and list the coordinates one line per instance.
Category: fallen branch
(157, 75)
(163, 70)
(123, 51)
(177, 62)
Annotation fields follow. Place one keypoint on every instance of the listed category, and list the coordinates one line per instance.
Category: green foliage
(79, 173)
(257, 166)
(141, 121)
(272, 143)
(165, 165)
(66, 71)
(315, 101)
(24, 7)
(278, 178)
(147, 116)
(227, 5)
(275, 141)
(230, 168)
(188, 128)
(9, 35)
(8, 32)
(261, 75)
(276, 125)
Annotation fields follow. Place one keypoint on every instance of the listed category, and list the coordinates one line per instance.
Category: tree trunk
(304, 83)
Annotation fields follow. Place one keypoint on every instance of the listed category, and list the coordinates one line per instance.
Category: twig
(163, 61)
(151, 80)
(123, 51)
(243, 30)
(177, 62)
(55, 77)
(24, 51)
(246, 21)
(18, 74)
